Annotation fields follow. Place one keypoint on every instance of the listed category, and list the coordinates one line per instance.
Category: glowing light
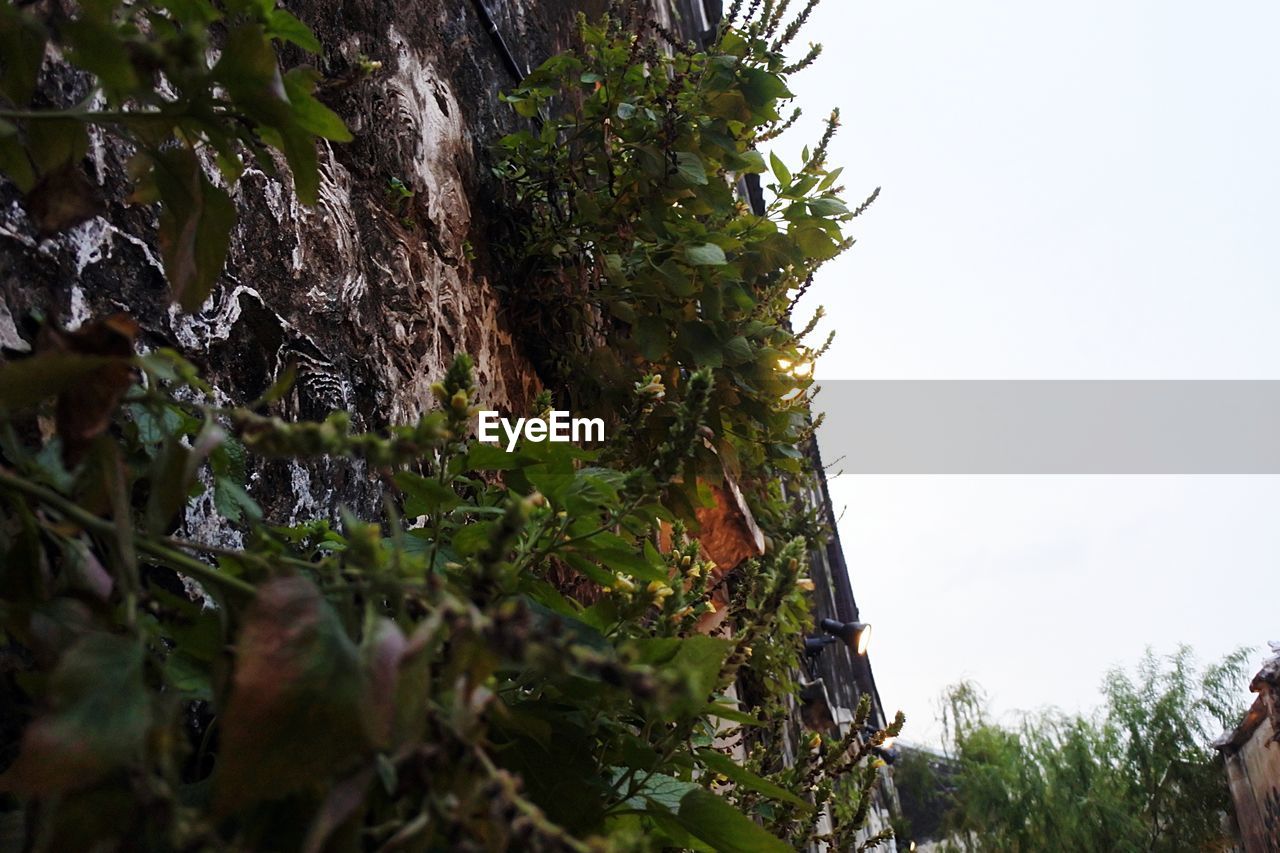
(798, 369)
(864, 639)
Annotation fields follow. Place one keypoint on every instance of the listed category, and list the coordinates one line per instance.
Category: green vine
(643, 258)
(422, 677)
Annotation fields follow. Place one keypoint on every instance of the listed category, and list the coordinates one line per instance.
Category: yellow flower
(806, 584)
(624, 583)
(660, 591)
(653, 387)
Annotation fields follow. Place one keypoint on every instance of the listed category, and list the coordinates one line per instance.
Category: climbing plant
(373, 683)
(418, 677)
(644, 255)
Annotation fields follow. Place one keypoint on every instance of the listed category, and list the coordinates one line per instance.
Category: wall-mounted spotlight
(855, 635)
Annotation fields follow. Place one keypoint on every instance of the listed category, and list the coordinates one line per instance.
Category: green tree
(1136, 774)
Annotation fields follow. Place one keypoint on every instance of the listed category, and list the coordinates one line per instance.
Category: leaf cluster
(191, 86)
(643, 256)
(416, 680)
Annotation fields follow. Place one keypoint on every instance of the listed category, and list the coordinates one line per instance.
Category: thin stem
(174, 559)
(231, 553)
(105, 116)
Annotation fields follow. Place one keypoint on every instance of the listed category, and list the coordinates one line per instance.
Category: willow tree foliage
(1137, 775)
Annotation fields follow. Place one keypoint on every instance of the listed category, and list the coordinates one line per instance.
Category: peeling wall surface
(368, 294)
(1253, 773)
(1251, 754)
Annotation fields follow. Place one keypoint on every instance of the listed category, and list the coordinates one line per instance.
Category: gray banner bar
(1050, 427)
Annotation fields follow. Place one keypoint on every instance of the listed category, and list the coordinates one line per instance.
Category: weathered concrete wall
(1253, 772)
(370, 296)
(1252, 756)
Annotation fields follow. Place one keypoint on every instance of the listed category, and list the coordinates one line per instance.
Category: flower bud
(660, 591)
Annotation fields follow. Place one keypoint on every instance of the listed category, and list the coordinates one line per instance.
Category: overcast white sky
(1071, 191)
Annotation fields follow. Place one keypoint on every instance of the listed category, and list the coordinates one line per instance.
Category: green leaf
(15, 164)
(652, 337)
(248, 69)
(310, 114)
(704, 255)
(718, 762)
(54, 143)
(97, 719)
(761, 88)
(728, 830)
(22, 46)
(172, 474)
(298, 706)
(299, 149)
(733, 715)
(815, 243)
(827, 207)
(196, 219)
(191, 12)
(702, 345)
(737, 350)
(25, 383)
(524, 107)
(425, 495)
(588, 569)
(493, 457)
(97, 47)
(747, 163)
(689, 169)
(779, 169)
(233, 502)
(190, 677)
(663, 791)
(284, 26)
(473, 538)
(627, 562)
(696, 661)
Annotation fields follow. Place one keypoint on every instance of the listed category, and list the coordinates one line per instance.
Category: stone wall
(368, 294)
